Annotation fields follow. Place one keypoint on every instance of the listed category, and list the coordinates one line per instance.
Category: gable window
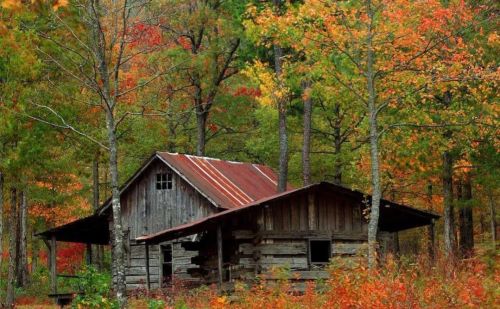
(320, 251)
(164, 181)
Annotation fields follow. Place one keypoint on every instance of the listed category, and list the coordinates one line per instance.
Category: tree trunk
(109, 99)
(306, 146)
(282, 106)
(493, 218)
(374, 153)
(117, 242)
(1, 218)
(466, 220)
(23, 242)
(449, 220)
(201, 128)
(35, 249)
(337, 148)
(11, 277)
(98, 249)
(447, 178)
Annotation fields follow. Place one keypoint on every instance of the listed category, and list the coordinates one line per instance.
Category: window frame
(309, 251)
(164, 181)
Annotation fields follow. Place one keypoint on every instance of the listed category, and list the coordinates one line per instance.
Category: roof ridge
(209, 158)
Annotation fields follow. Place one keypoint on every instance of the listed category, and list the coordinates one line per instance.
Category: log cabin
(203, 220)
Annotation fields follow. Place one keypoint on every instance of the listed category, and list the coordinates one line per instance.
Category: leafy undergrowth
(470, 284)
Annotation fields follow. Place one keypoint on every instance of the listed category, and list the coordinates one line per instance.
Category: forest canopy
(396, 98)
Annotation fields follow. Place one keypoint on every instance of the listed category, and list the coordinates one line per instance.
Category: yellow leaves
(272, 90)
(16, 5)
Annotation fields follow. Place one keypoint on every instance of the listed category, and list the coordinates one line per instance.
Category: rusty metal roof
(228, 184)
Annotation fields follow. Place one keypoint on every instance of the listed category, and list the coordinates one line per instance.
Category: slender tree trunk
(306, 146)
(374, 152)
(11, 277)
(118, 241)
(23, 241)
(337, 148)
(282, 107)
(171, 142)
(493, 218)
(1, 219)
(35, 249)
(109, 99)
(449, 220)
(447, 178)
(466, 220)
(98, 249)
(430, 227)
(201, 128)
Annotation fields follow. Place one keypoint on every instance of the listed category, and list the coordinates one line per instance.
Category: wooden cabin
(205, 220)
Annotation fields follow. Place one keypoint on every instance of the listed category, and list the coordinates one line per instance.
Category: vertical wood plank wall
(331, 213)
(146, 210)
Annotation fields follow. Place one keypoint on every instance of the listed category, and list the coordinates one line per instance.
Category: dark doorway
(166, 265)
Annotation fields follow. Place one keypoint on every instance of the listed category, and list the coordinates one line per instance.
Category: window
(164, 181)
(320, 251)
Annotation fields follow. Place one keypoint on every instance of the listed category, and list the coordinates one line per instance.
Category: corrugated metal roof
(228, 184)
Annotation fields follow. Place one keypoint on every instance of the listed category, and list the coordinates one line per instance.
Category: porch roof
(90, 230)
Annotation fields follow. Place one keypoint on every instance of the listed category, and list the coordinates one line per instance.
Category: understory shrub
(465, 284)
(95, 290)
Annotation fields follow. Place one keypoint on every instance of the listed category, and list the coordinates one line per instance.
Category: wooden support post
(148, 282)
(89, 254)
(396, 244)
(430, 230)
(311, 211)
(53, 264)
(219, 253)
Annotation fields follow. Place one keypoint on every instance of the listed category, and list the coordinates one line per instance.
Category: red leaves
(247, 92)
(145, 35)
(69, 257)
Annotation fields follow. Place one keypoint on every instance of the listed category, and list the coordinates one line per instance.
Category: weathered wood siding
(146, 210)
(285, 228)
(136, 267)
(321, 212)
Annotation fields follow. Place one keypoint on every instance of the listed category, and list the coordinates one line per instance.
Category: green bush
(156, 304)
(95, 290)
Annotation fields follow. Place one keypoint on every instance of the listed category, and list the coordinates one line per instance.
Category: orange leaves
(57, 4)
(394, 286)
(12, 4)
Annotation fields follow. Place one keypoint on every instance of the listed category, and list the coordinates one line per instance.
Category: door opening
(166, 265)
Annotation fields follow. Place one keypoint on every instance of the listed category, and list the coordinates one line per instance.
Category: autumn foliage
(471, 284)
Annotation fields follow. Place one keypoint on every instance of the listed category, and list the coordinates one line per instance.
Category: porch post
(430, 230)
(219, 253)
(89, 254)
(53, 266)
(148, 283)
